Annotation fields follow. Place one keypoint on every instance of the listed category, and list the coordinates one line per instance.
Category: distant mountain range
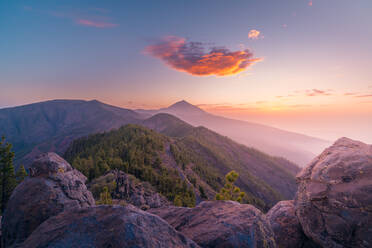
(296, 147)
(53, 125)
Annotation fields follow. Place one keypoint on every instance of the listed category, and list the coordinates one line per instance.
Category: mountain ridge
(52, 125)
(299, 148)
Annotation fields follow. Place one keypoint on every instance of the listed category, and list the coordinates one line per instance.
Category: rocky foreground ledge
(221, 224)
(332, 208)
(53, 208)
(52, 187)
(106, 226)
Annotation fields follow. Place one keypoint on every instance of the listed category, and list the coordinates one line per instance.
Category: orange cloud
(254, 34)
(368, 95)
(316, 92)
(84, 19)
(310, 92)
(191, 58)
(95, 24)
(349, 93)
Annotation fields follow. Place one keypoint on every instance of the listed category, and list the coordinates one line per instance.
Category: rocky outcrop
(286, 226)
(126, 189)
(220, 224)
(140, 194)
(334, 198)
(53, 186)
(106, 226)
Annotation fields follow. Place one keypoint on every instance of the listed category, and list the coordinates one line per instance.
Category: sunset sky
(299, 65)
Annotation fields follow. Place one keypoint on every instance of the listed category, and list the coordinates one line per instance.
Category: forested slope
(189, 164)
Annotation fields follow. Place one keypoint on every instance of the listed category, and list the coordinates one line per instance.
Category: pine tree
(105, 197)
(7, 177)
(157, 163)
(177, 201)
(21, 174)
(229, 191)
(202, 192)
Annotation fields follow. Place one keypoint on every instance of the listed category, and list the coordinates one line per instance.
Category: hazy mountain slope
(296, 147)
(207, 149)
(195, 155)
(168, 124)
(52, 125)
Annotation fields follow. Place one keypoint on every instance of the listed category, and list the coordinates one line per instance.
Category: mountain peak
(94, 101)
(181, 103)
(185, 106)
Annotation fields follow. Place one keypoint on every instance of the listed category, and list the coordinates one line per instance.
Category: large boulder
(106, 226)
(334, 198)
(53, 186)
(220, 224)
(286, 226)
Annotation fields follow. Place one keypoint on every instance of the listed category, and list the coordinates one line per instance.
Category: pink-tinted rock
(220, 224)
(286, 226)
(106, 226)
(53, 186)
(334, 198)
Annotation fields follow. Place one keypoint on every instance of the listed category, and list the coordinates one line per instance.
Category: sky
(299, 65)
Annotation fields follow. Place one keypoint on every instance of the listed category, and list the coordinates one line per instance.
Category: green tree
(202, 192)
(21, 174)
(7, 177)
(105, 197)
(177, 201)
(157, 163)
(229, 190)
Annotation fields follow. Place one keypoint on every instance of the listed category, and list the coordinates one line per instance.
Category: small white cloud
(254, 34)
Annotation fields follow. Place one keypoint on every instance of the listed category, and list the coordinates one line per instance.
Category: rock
(137, 193)
(127, 189)
(286, 226)
(53, 186)
(106, 226)
(334, 198)
(220, 224)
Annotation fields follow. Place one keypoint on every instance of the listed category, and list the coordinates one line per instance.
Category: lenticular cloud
(191, 57)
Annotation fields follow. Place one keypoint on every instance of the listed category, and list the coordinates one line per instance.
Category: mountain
(168, 124)
(296, 147)
(174, 153)
(52, 125)
(208, 149)
(183, 107)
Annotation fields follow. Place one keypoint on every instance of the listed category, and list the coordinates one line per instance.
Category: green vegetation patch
(134, 150)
